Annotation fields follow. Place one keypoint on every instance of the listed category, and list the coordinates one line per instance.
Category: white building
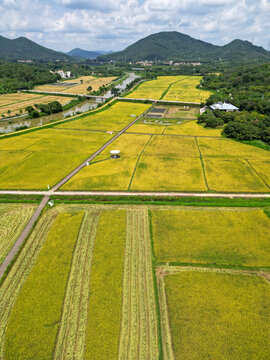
(224, 107)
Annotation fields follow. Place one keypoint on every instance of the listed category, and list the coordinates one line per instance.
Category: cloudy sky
(114, 24)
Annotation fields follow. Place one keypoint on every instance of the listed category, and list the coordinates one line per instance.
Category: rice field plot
(225, 148)
(33, 323)
(154, 89)
(232, 175)
(139, 331)
(52, 155)
(147, 128)
(263, 169)
(18, 106)
(13, 219)
(177, 112)
(168, 174)
(70, 342)
(96, 83)
(105, 301)
(171, 146)
(215, 237)
(105, 173)
(113, 119)
(218, 315)
(20, 270)
(186, 90)
(192, 128)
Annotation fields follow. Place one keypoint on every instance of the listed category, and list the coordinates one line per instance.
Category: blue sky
(114, 24)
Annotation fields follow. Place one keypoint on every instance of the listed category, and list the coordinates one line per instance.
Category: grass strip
(105, 303)
(201, 158)
(34, 320)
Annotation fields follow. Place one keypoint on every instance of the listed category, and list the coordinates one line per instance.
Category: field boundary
(137, 162)
(202, 163)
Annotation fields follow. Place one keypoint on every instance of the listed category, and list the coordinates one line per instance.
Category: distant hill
(24, 49)
(85, 54)
(173, 45)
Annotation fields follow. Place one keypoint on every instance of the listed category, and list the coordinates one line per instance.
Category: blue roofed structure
(224, 107)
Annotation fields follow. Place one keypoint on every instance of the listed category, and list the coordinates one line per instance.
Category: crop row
(139, 325)
(71, 336)
(34, 320)
(13, 219)
(105, 302)
(18, 274)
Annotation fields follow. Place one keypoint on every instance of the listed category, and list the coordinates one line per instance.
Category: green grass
(221, 237)
(218, 316)
(105, 304)
(35, 318)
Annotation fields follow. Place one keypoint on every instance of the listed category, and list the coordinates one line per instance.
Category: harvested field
(139, 332)
(27, 327)
(13, 219)
(219, 315)
(216, 237)
(115, 118)
(19, 101)
(105, 302)
(96, 83)
(182, 112)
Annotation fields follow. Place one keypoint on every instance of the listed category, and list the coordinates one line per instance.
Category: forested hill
(85, 54)
(24, 49)
(173, 45)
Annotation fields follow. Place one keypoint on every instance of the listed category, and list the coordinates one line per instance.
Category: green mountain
(166, 46)
(85, 54)
(24, 49)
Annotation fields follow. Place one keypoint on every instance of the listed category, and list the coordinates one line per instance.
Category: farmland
(235, 309)
(45, 157)
(115, 118)
(15, 104)
(80, 85)
(237, 237)
(131, 278)
(13, 219)
(90, 308)
(173, 88)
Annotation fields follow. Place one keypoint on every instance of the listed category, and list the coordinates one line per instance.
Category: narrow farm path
(139, 329)
(71, 337)
(22, 236)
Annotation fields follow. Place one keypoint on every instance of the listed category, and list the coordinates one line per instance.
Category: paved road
(137, 194)
(23, 236)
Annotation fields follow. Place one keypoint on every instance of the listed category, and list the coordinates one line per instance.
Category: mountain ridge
(22, 48)
(172, 45)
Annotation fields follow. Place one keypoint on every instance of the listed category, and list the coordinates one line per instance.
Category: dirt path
(23, 236)
(138, 194)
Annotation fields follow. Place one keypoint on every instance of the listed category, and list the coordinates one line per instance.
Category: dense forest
(248, 88)
(14, 76)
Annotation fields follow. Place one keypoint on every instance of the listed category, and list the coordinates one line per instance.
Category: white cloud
(114, 24)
